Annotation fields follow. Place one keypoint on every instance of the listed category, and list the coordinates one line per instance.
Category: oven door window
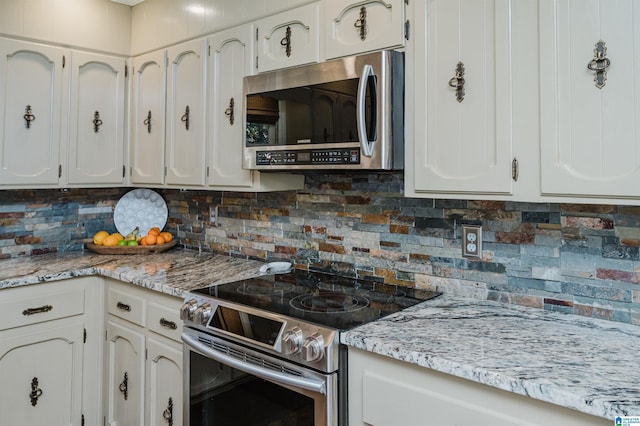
(221, 395)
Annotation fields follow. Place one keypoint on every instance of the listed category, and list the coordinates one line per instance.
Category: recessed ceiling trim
(128, 2)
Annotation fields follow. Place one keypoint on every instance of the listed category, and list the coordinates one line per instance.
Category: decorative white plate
(143, 208)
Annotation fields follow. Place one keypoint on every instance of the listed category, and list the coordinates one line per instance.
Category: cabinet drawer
(126, 306)
(30, 309)
(164, 320)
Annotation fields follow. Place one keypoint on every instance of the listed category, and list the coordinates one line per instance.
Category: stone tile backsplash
(574, 258)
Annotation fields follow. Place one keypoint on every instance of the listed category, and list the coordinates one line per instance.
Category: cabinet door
(186, 115)
(125, 375)
(463, 141)
(39, 373)
(148, 118)
(288, 39)
(30, 112)
(230, 60)
(590, 132)
(164, 381)
(96, 139)
(362, 26)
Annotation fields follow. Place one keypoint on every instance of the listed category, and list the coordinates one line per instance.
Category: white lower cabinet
(50, 353)
(144, 357)
(387, 392)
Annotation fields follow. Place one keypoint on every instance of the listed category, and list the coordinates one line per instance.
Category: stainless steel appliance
(266, 350)
(342, 114)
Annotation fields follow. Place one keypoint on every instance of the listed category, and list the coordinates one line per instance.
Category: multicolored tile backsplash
(582, 259)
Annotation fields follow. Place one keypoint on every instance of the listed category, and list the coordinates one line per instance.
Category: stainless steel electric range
(266, 350)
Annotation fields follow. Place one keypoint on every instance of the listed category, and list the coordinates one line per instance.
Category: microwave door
(367, 134)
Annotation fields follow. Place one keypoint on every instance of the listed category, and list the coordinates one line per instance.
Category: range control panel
(308, 156)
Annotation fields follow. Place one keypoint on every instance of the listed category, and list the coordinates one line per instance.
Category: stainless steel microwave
(341, 114)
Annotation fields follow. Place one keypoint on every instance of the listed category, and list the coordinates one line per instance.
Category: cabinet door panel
(590, 136)
(56, 382)
(186, 93)
(230, 60)
(125, 375)
(467, 145)
(302, 26)
(30, 112)
(164, 381)
(148, 118)
(383, 26)
(96, 140)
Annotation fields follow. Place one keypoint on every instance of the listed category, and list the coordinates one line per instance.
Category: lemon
(99, 237)
(110, 241)
(118, 236)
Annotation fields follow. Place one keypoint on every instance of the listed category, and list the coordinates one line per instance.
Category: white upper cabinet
(362, 26)
(30, 113)
(96, 135)
(186, 113)
(147, 118)
(462, 94)
(590, 97)
(230, 60)
(289, 38)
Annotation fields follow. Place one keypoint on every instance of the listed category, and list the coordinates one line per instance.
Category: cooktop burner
(329, 300)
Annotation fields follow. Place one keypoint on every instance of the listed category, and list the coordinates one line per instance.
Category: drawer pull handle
(123, 307)
(36, 392)
(40, 310)
(124, 386)
(168, 324)
(168, 413)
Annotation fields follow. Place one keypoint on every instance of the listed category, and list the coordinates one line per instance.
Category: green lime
(122, 243)
(132, 243)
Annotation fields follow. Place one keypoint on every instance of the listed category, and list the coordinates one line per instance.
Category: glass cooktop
(329, 300)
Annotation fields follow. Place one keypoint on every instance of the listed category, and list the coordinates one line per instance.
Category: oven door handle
(263, 373)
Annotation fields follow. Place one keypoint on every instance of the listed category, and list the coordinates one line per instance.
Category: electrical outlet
(471, 241)
(213, 215)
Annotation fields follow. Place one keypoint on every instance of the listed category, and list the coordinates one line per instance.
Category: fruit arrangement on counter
(134, 242)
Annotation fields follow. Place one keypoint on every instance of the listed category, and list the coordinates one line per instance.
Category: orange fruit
(143, 241)
(167, 236)
(99, 237)
(160, 240)
(118, 236)
(154, 231)
(151, 239)
(110, 241)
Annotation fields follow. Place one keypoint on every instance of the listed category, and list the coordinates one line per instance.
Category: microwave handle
(367, 146)
(299, 382)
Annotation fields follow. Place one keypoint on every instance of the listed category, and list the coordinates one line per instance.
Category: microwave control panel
(338, 156)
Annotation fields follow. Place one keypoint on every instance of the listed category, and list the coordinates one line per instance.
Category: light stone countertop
(580, 363)
(585, 364)
(172, 272)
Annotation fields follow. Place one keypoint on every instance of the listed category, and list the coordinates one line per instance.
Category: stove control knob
(202, 314)
(313, 348)
(188, 309)
(292, 341)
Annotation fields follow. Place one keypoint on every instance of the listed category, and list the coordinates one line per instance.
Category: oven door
(230, 384)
